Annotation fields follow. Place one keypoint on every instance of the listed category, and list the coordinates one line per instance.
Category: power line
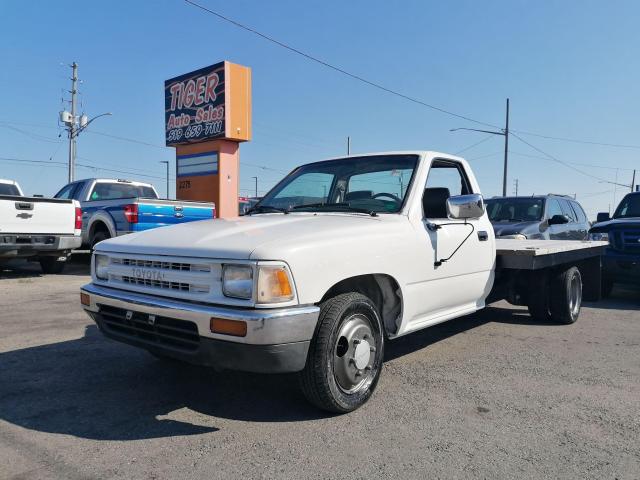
(575, 140)
(488, 137)
(337, 69)
(551, 157)
(590, 165)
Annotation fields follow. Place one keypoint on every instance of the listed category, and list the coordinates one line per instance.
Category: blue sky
(570, 69)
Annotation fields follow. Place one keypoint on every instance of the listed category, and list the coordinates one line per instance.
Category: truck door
(461, 254)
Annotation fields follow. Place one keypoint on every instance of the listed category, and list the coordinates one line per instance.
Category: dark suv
(621, 261)
(542, 217)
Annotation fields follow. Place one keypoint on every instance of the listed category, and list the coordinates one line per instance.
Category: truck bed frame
(525, 268)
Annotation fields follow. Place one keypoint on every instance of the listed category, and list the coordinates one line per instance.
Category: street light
(505, 134)
(167, 163)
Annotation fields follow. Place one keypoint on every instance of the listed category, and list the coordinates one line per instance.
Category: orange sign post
(207, 115)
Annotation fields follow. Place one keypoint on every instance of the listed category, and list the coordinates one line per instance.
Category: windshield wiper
(266, 209)
(339, 206)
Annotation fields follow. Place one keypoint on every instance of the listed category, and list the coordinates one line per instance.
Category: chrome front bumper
(264, 326)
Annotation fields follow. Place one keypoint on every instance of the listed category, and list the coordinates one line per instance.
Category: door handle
(483, 236)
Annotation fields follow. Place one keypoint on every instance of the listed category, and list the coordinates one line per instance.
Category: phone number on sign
(195, 131)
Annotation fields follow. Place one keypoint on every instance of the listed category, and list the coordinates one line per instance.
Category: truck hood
(237, 238)
(616, 223)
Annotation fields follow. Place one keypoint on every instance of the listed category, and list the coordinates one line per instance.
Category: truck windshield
(112, 191)
(372, 184)
(9, 189)
(629, 207)
(515, 209)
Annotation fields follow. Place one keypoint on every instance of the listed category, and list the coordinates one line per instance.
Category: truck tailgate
(154, 213)
(30, 215)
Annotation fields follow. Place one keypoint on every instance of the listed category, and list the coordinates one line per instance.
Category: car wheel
(98, 237)
(566, 296)
(53, 264)
(345, 356)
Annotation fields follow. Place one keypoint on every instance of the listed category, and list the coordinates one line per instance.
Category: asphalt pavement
(491, 395)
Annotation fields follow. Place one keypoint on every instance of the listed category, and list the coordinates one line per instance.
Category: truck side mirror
(558, 220)
(603, 217)
(465, 206)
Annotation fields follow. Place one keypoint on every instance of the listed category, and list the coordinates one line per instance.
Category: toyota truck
(339, 258)
(36, 228)
(111, 208)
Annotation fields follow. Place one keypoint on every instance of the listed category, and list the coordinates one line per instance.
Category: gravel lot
(492, 395)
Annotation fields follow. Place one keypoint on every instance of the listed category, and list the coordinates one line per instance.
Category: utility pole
(515, 186)
(506, 153)
(167, 163)
(75, 124)
(72, 124)
(633, 181)
(348, 145)
(505, 133)
(256, 179)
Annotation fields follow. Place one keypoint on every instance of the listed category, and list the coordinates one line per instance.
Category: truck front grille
(136, 262)
(627, 241)
(152, 330)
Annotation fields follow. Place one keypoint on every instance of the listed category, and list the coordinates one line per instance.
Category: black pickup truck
(621, 261)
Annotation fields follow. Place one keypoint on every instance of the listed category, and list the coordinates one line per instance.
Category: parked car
(542, 217)
(36, 228)
(338, 258)
(111, 208)
(621, 262)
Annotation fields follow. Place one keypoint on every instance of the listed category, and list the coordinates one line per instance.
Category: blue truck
(621, 262)
(111, 208)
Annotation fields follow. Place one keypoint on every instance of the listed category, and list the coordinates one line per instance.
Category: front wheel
(345, 356)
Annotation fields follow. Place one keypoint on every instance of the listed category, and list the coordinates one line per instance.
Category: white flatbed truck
(340, 257)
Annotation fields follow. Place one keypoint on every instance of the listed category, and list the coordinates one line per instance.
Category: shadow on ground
(96, 388)
(78, 264)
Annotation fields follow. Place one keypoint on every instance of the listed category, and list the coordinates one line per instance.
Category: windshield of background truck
(113, 191)
(374, 183)
(515, 209)
(9, 189)
(629, 207)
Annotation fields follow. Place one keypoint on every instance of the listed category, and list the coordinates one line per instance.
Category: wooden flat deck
(535, 254)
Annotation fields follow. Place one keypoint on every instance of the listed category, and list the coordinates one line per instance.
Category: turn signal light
(85, 299)
(236, 328)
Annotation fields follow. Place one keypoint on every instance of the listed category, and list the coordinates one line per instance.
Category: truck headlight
(101, 264)
(274, 284)
(237, 281)
(517, 236)
(599, 236)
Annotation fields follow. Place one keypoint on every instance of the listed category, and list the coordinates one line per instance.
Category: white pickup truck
(43, 229)
(338, 258)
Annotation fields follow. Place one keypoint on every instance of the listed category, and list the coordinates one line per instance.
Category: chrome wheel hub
(354, 354)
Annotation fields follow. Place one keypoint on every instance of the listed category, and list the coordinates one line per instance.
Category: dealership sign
(195, 106)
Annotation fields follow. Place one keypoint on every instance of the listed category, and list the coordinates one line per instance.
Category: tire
(566, 296)
(99, 236)
(607, 287)
(538, 304)
(345, 356)
(52, 264)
